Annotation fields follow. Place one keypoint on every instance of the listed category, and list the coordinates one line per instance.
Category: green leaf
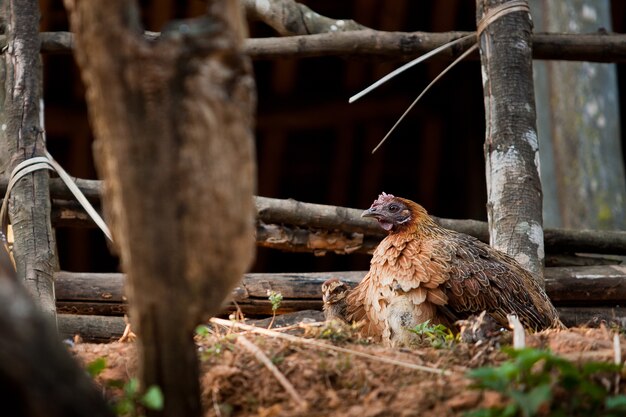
(124, 407)
(590, 368)
(617, 402)
(116, 383)
(202, 330)
(131, 387)
(95, 367)
(509, 411)
(529, 357)
(484, 412)
(494, 378)
(530, 402)
(153, 398)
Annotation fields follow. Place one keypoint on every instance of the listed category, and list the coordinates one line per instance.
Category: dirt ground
(235, 382)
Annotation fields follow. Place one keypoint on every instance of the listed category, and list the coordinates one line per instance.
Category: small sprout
(438, 335)
(202, 330)
(276, 299)
(95, 367)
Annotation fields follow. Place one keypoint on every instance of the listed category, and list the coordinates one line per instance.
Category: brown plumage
(422, 271)
(334, 294)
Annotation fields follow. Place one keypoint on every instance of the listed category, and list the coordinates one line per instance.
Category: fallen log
(90, 328)
(103, 294)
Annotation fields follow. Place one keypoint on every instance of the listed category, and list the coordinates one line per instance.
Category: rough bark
(337, 229)
(581, 156)
(172, 119)
(37, 374)
(102, 294)
(106, 329)
(289, 18)
(394, 46)
(100, 329)
(514, 196)
(21, 138)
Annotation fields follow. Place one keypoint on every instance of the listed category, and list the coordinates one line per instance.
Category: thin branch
(411, 64)
(289, 18)
(424, 91)
(327, 346)
(261, 357)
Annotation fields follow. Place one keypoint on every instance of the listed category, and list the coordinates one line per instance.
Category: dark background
(312, 145)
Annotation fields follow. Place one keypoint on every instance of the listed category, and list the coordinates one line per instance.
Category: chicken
(422, 271)
(334, 294)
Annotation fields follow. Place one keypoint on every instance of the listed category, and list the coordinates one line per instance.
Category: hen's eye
(393, 208)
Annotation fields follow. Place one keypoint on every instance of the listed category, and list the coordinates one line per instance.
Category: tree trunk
(172, 120)
(511, 148)
(21, 138)
(581, 156)
(38, 376)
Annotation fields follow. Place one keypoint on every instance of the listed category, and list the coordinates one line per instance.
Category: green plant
(203, 330)
(276, 299)
(438, 335)
(132, 399)
(536, 382)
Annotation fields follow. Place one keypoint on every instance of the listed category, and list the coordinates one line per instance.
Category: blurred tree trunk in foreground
(38, 376)
(578, 122)
(173, 123)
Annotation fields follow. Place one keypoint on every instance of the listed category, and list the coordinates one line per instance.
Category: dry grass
(340, 383)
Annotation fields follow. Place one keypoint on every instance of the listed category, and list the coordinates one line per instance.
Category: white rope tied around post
(47, 162)
(491, 16)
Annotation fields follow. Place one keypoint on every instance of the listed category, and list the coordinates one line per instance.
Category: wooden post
(173, 124)
(511, 148)
(21, 138)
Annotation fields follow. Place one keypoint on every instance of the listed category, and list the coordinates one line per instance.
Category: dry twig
(317, 343)
(261, 357)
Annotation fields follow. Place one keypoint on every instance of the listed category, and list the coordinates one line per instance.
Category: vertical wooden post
(174, 145)
(21, 136)
(514, 201)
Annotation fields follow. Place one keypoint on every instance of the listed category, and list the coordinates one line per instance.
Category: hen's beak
(369, 213)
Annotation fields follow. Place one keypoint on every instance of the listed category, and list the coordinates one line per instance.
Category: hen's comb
(384, 197)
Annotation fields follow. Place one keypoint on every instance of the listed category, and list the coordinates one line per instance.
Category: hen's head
(394, 213)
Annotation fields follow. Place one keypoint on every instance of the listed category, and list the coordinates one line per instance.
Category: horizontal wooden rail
(106, 328)
(333, 228)
(103, 294)
(594, 47)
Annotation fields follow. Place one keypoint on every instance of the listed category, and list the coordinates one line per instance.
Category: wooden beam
(347, 220)
(90, 293)
(593, 47)
(105, 329)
